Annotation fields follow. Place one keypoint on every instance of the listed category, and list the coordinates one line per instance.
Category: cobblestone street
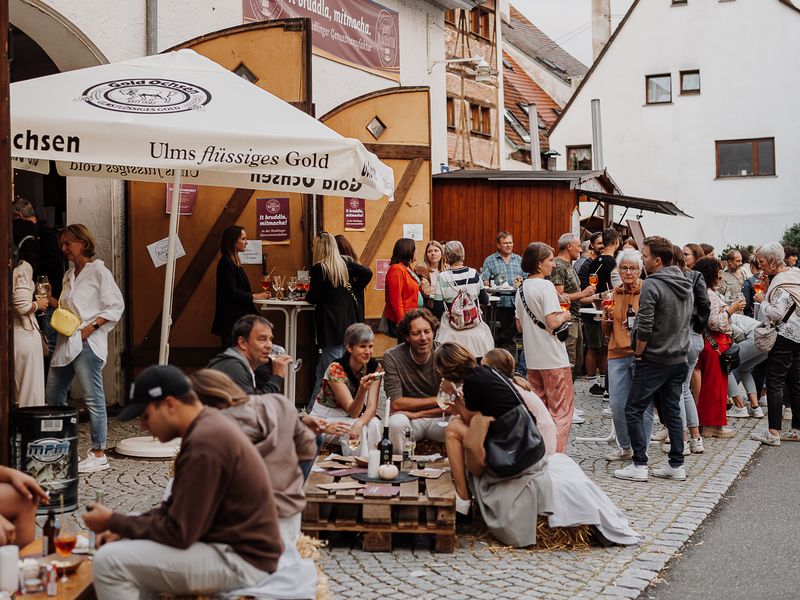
(666, 512)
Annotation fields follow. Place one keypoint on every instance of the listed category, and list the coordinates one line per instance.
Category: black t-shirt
(603, 265)
(489, 392)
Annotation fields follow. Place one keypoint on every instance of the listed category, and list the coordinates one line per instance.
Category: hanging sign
(188, 195)
(381, 268)
(360, 33)
(355, 214)
(273, 220)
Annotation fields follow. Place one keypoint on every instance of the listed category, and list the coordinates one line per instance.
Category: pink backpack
(464, 313)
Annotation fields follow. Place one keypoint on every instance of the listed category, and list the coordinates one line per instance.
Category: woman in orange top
(402, 284)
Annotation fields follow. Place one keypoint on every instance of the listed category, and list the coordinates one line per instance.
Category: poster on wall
(360, 33)
(381, 268)
(273, 220)
(188, 195)
(251, 254)
(158, 251)
(355, 214)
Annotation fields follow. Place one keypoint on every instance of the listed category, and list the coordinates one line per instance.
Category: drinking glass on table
(444, 400)
(291, 283)
(266, 282)
(65, 541)
(279, 351)
(500, 280)
(277, 284)
(42, 288)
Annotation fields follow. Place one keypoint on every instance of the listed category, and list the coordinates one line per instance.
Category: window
(579, 158)
(479, 23)
(450, 16)
(690, 82)
(451, 112)
(481, 119)
(746, 158)
(659, 89)
(680, 2)
(517, 125)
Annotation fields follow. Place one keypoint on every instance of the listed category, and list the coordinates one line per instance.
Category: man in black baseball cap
(218, 530)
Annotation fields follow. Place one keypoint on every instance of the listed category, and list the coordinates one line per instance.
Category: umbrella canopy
(143, 119)
(181, 116)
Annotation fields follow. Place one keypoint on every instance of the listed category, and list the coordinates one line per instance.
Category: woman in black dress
(234, 298)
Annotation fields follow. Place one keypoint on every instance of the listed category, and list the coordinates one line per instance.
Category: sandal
(793, 435)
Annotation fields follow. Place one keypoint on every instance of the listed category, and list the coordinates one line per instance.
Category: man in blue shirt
(506, 266)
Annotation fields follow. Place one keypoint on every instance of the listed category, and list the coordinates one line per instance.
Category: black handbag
(513, 442)
(729, 359)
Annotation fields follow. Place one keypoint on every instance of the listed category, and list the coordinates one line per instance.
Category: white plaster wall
(667, 152)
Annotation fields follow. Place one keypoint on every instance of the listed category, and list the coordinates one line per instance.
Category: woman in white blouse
(90, 292)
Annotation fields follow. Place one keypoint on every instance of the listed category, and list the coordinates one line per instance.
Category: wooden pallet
(423, 506)
(79, 586)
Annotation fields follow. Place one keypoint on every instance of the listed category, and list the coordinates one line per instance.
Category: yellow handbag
(64, 321)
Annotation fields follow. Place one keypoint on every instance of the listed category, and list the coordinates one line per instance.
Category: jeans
(619, 373)
(688, 407)
(329, 354)
(749, 357)
(783, 376)
(305, 467)
(522, 367)
(649, 378)
(89, 371)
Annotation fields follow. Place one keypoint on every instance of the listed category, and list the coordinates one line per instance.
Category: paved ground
(666, 512)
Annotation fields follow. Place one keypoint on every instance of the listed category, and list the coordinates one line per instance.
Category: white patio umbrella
(181, 116)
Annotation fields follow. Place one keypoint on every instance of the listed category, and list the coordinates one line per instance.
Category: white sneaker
(577, 419)
(787, 413)
(762, 401)
(667, 447)
(620, 454)
(93, 464)
(660, 435)
(632, 473)
(755, 412)
(670, 472)
(696, 445)
(578, 412)
(607, 412)
(462, 506)
(737, 412)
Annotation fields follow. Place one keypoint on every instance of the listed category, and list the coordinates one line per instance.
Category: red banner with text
(273, 220)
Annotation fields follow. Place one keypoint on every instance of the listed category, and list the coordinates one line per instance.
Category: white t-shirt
(542, 349)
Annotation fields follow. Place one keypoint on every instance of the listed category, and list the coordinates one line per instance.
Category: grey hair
(565, 240)
(454, 251)
(358, 333)
(772, 252)
(631, 256)
(585, 245)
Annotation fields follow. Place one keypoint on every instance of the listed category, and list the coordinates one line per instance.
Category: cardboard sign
(188, 195)
(273, 220)
(355, 214)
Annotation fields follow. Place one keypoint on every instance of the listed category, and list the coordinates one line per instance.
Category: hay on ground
(547, 538)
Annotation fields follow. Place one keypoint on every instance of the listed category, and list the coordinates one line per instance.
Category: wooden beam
(399, 151)
(200, 263)
(382, 228)
(6, 324)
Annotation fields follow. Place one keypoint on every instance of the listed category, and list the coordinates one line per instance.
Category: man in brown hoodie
(217, 532)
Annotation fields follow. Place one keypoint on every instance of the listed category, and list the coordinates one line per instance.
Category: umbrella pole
(166, 311)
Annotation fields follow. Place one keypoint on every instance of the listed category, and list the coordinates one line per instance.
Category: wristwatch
(95, 325)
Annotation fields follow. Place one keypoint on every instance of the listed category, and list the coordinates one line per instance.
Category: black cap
(595, 236)
(153, 384)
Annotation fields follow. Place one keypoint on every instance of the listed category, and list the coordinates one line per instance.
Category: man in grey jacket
(660, 340)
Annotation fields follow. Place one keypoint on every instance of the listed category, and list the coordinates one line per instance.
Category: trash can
(46, 447)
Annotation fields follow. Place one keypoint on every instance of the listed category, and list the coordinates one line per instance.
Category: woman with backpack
(459, 292)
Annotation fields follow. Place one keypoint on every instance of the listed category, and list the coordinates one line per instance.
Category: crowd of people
(678, 332)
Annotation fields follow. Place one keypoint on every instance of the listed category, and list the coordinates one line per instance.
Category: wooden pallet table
(79, 586)
(422, 506)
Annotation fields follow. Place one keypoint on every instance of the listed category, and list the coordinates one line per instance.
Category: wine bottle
(49, 534)
(408, 447)
(386, 448)
(630, 317)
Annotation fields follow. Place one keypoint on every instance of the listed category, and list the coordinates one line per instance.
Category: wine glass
(354, 443)
(593, 279)
(280, 350)
(305, 282)
(277, 283)
(291, 283)
(608, 303)
(444, 400)
(42, 287)
(65, 542)
(564, 300)
(266, 281)
(500, 279)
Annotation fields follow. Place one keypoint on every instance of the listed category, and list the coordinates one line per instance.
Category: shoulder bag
(513, 442)
(64, 321)
(462, 313)
(562, 333)
(729, 359)
(764, 335)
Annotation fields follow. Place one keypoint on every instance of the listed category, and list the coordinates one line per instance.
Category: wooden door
(277, 54)
(404, 145)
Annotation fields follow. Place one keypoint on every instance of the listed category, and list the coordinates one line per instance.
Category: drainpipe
(533, 127)
(151, 20)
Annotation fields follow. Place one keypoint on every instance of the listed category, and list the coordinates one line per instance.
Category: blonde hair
(77, 232)
(326, 253)
(454, 361)
(215, 388)
(435, 244)
(501, 359)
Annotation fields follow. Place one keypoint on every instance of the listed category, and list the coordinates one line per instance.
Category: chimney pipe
(601, 26)
(598, 163)
(533, 127)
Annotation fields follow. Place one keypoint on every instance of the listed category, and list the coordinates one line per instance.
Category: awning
(656, 206)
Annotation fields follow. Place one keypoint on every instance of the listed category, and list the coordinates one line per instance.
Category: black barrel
(46, 447)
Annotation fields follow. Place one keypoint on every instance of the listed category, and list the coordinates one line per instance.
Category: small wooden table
(79, 586)
(422, 506)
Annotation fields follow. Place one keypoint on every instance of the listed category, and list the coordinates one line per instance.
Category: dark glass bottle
(49, 534)
(386, 448)
(630, 317)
